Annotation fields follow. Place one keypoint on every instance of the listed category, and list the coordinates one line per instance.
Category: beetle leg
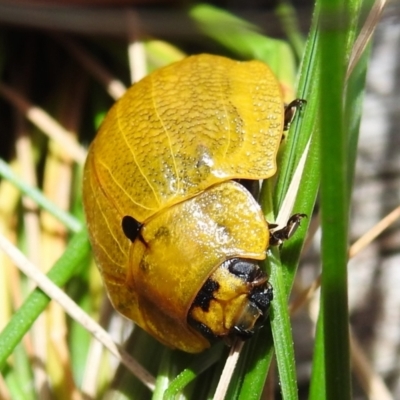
(279, 236)
(290, 111)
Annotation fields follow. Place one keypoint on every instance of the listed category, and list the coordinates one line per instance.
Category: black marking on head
(262, 296)
(131, 228)
(205, 295)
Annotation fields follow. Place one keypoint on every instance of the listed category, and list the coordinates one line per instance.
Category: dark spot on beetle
(131, 228)
(163, 231)
(144, 265)
(205, 295)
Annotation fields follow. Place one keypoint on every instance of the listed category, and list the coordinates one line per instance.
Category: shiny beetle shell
(175, 236)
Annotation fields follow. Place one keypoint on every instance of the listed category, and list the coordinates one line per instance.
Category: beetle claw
(279, 236)
(290, 111)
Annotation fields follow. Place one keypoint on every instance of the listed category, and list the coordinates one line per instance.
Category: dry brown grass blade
(371, 382)
(228, 370)
(136, 50)
(90, 380)
(288, 202)
(115, 88)
(365, 35)
(25, 156)
(44, 122)
(3, 389)
(57, 186)
(10, 296)
(372, 234)
(75, 312)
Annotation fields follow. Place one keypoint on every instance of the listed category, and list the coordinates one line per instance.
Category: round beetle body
(175, 236)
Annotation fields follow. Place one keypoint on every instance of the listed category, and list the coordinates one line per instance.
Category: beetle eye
(131, 227)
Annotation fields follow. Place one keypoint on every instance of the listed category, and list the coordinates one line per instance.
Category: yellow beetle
(175, 235)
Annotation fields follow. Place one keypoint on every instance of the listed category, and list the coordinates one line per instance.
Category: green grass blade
(281, 330)
(318, 384)
(13, 383)
(334, 201)
(304, 131)
(302, 128)
(199, 365)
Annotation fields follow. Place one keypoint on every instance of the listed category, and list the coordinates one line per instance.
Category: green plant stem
(318, 381)
(202, 362)
(281, 330)
(334, 201)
